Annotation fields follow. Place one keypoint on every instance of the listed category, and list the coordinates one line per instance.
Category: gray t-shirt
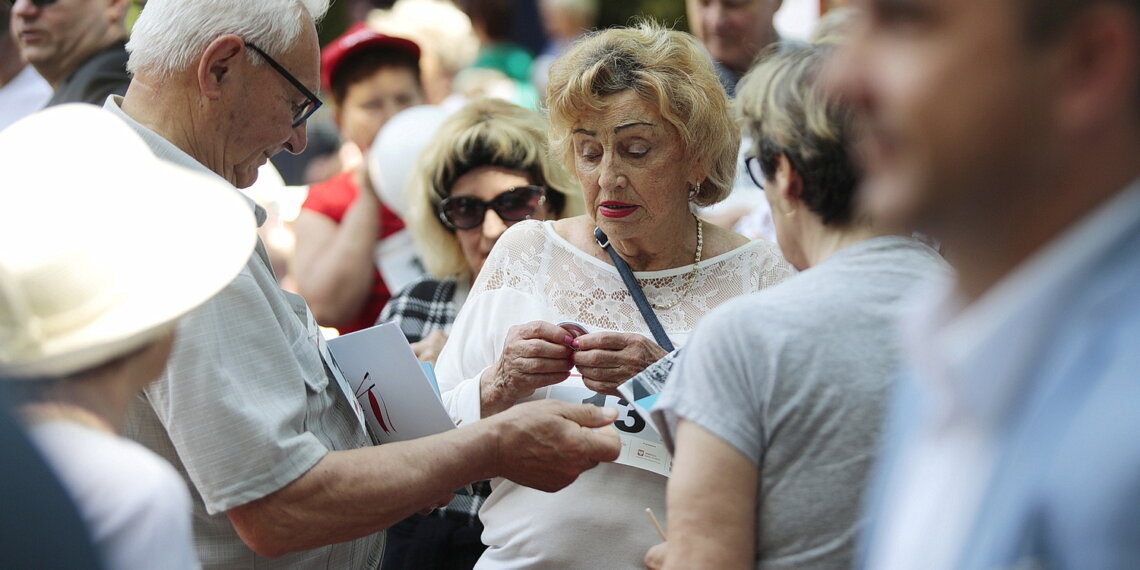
(796, 378)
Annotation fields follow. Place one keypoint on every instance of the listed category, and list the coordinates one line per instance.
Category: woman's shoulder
(573, 234)
(754, 264)
(526, 231)
(730, 245)
(720, 240)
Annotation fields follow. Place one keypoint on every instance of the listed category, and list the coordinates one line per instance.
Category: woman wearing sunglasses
(640, 118)
(487, 168)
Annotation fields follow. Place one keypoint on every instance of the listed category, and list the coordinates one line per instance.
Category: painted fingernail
(574, 344)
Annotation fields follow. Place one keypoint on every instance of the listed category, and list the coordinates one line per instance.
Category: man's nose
(298, 139)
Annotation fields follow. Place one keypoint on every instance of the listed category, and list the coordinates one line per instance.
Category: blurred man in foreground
(1010, 130)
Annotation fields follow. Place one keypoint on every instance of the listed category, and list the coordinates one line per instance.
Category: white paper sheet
(390, 384)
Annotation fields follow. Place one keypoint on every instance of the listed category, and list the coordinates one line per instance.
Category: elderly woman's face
(632, 167)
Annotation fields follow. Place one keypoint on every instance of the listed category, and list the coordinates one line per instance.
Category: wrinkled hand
(427, 350)
(606, 359)
(535, 354)
(655, 558)
(546, 444)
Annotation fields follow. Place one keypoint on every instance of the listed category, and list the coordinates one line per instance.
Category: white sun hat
(103, 245)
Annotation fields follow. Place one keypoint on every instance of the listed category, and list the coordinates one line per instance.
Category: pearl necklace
(692, 277)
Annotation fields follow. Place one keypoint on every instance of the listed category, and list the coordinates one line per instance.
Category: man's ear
(217, 63)
(1100, 65)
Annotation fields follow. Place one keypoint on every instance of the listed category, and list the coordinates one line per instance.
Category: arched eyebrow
(617, 129)
(620, 128)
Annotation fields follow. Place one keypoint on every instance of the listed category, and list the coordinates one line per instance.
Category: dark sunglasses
(467, 212)
(754, 171)
(302, 112)
(36, 3)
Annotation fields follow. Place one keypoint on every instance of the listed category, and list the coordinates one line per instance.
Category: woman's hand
(606, 359)
(427, 349)
(535, 354)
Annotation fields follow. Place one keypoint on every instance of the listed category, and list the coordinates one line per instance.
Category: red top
(332, 198)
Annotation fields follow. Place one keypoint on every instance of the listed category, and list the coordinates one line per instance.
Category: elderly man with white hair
(251, 410)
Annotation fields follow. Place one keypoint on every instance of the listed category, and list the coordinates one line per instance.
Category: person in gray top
(251, 410)
(774, 406)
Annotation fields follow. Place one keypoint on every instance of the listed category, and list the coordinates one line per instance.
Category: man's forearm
(350, 494)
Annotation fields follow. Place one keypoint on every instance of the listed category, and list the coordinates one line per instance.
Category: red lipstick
(611, 209)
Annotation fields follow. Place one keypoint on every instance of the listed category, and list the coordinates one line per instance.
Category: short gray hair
(170, 35)
(786, 109)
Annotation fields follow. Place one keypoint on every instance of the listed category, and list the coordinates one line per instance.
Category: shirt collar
(973, 359)
(166, 150)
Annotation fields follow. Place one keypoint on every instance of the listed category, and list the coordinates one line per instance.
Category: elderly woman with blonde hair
(638, 116)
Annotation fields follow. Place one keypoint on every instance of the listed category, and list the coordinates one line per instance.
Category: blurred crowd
(864, 299)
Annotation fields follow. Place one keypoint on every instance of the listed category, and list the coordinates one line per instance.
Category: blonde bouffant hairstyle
(665, 68)
(485, 132)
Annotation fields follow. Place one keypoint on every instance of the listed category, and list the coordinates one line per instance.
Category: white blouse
(535, 274)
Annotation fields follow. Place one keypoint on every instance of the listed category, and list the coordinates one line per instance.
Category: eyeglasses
(755, 172)
(36, 3)
(312, 102)
(467, 212)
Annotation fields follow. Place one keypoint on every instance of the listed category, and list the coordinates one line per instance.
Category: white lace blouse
(535, 274)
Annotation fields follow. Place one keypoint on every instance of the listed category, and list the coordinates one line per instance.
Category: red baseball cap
(356, 38)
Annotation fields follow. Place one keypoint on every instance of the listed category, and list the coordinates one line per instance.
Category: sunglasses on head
(513, 205)
(36, 3)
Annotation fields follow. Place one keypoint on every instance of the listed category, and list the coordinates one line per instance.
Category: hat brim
(169, 237)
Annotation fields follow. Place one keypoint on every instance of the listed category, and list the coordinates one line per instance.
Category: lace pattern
(533, 260)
